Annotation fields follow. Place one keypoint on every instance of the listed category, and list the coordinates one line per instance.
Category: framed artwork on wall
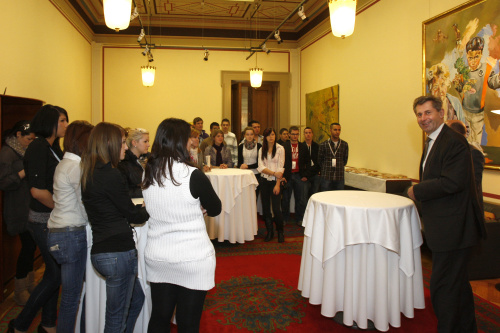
(461, 52)
(322, 109)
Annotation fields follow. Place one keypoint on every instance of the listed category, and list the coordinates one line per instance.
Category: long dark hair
(265, 144)
(77, 137)
(105, 144)
(45, 124)
(170, 145)
(22, 126)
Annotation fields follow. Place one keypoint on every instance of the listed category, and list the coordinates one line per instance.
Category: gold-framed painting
(322, 109)
(461, 52)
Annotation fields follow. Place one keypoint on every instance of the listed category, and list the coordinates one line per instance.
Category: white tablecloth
(95, 289)
(361, 255)
(238, 220)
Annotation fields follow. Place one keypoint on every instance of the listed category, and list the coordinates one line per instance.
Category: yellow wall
(43, 56)
(185, 85)
(379, 70)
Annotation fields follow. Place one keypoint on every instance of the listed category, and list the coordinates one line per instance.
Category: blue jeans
(331, 185)
(124, 295)
(47, 291)
(70, 251)
(313, 185)
(299, 188)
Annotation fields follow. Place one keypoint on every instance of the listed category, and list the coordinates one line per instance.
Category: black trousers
(188, 304)
(268, 199)
(451, 293)
(26, 255)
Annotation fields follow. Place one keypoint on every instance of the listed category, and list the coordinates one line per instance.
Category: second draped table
(237, 221)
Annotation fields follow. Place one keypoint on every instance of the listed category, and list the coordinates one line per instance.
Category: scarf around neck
(12, 142)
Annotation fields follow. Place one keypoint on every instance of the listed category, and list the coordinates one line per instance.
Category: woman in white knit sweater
(180, 259)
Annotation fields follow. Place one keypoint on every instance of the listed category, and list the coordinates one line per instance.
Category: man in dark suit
(453, 221)
(296, 164)
(312, 174)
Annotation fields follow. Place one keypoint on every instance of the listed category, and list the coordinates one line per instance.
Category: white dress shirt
(275, 164)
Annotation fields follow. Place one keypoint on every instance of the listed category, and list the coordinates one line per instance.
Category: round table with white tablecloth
(237, 221)
(361, 255)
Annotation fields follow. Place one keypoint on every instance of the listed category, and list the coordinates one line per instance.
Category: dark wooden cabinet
(12, 109)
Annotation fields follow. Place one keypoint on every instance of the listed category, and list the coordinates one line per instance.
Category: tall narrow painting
(322, 109)
(461, 66)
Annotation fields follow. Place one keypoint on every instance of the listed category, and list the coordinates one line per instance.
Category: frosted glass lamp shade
(342, 17)
(117, 13)
(256, 77)
(148, 75)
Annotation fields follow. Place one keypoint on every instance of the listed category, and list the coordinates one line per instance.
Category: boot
(281, 237)
(21, 294)
(270, 231)
(31, 282)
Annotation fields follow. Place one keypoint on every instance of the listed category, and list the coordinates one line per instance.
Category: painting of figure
(461, 64)
(322, 109)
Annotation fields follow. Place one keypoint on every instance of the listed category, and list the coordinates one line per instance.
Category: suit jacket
(316, 168)
(304, 160)
(451, 211)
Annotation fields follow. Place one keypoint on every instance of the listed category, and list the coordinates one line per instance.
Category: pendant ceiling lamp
(148, 75)
(256, 75)
(342, 17)
(117, 13)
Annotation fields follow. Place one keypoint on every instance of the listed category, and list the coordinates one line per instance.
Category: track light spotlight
(277, 36)
(134, 14)
(150, 56)
(205, 55)
(141, 36)
(146, 50)
(302, 14)
(265, 49)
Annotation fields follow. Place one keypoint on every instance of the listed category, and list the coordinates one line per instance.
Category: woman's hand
(21, 174)
(206, 168)
(278, 175)
(223, 166)
(243, 166)
(277, 188)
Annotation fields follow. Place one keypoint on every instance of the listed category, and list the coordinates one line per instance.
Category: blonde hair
(135, 134)
(105, 144)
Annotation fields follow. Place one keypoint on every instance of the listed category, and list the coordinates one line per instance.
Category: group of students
(281, 164)
(52, 195)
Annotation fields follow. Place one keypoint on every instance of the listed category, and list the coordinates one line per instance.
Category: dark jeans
(313, 186)
(451, 293)
(26, 255)
(331, 185)
(167, 297)
(47, 291)
(70, 251)
(299, 189)
(124, 295)
(268, 199)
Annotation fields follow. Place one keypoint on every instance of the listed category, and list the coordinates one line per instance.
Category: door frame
(282, 112)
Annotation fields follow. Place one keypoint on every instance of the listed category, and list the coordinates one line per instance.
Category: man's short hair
(475, 44)
(282, 130)
(308, 128)
(457, 126)
(197, 119)
(253, 122)
(333, 124)
(225, 120)
(293, 128)
(214, 124)
(436, 102)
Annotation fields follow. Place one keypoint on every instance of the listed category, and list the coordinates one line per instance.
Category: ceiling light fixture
(342, 17)
(134, 14)
(117, 13)
(301, 14)
(277, 36)
(265, 49)
(256, 75)
(148, 75)
(141, 36)
(205, 55)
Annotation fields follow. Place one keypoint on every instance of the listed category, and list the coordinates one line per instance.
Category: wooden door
(236, 114)
(261, 105)
(12, 109)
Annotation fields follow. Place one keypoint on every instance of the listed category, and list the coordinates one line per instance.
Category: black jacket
(16, 195)
(132, 172)
(240, 156)
(110, 210)
(316, 168)
(304, 160)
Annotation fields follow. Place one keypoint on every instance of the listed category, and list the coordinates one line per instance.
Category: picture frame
(322, 109)
(461, 53)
